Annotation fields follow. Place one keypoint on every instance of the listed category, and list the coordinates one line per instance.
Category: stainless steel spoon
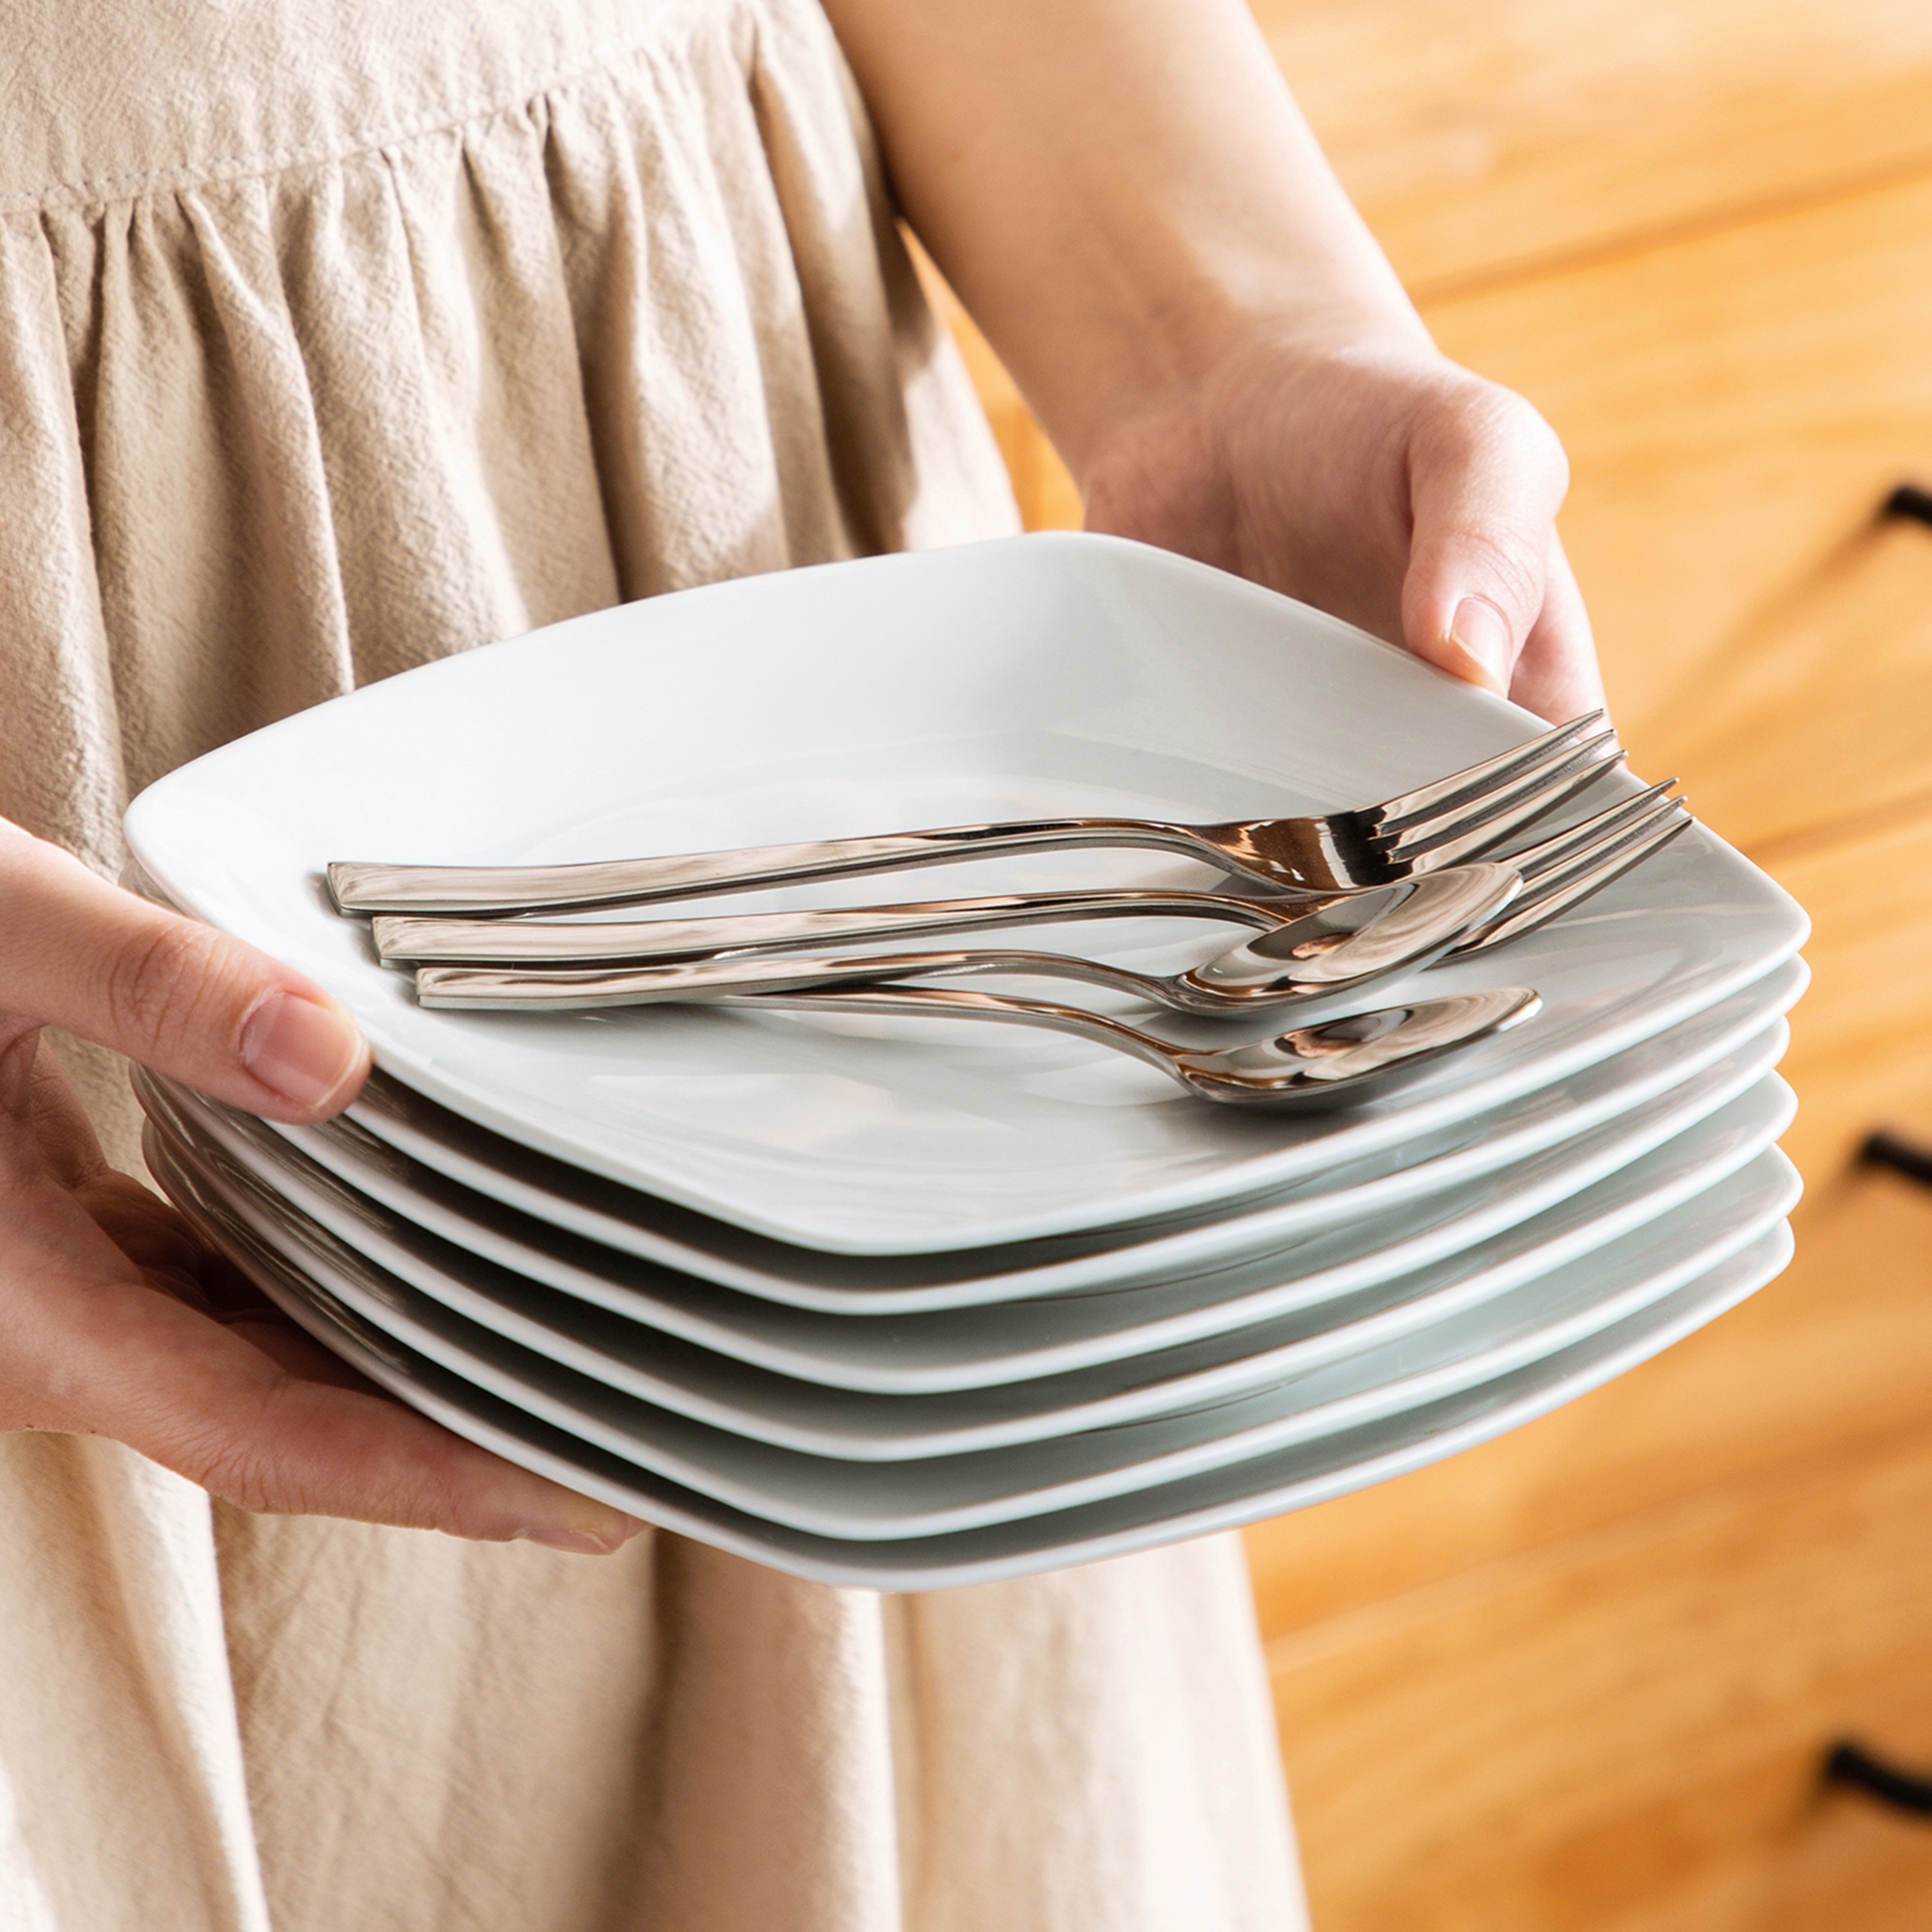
(1342, 946)
(1312, 1066)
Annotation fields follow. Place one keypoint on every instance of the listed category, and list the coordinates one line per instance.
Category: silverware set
(1337, 902)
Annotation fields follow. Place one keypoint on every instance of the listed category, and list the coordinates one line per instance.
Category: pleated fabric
(335, 338)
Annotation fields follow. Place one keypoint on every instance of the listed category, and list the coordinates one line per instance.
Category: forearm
(1115, 187)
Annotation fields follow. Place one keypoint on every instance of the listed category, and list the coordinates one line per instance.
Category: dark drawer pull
(1909, 500)
(1848, 1763)
(1902, 1156)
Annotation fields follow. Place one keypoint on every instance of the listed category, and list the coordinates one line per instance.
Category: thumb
(194, 1004)
(1487, 477)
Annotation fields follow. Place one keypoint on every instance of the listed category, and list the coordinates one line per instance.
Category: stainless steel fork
(1440, 824)
(1555, 863)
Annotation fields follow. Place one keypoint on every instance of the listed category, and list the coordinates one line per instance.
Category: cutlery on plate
(1246, 978)
(1314, 957)
(1330, 1063)
(1561, 888)
(1556, 863)
(1437, 825)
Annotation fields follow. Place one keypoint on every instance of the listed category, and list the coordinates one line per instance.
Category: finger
(1486, 476)
(292, 1348)
(196, 1004)
(148, 1230)
(89, 1350)
(61, 1130)
(1557, 676)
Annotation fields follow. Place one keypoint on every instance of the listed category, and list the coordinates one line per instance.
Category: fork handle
(528, 943)
(359, 887)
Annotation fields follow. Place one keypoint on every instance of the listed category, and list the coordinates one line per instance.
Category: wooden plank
(1861, 1039)
(1579, 1738)
(1480, 141)
(1735, 407)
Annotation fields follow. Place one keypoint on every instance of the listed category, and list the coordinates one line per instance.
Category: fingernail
(301, 1049)
(582, 1542)
(1479, 634)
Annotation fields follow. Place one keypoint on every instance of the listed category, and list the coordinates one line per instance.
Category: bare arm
(1125, 195)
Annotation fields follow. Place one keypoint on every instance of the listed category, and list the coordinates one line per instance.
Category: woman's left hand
(1382, 482)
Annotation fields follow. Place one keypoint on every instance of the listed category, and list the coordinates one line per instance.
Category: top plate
(1061, 673)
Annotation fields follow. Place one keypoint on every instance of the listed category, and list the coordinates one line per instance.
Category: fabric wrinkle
(334, 339)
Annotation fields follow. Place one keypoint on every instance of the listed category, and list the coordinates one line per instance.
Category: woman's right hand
(114, 1320)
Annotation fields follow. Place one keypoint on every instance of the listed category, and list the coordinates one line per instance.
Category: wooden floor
(1582, 1677)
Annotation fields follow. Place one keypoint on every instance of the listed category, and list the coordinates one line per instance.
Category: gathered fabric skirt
(335, 337)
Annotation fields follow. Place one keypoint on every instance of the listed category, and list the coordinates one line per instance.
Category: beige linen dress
(334, 337)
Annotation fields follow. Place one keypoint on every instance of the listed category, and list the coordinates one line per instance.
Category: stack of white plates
(907, 1303)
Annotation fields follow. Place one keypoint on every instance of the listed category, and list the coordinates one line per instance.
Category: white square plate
(1249, 1344)
(1055, 674)
(502, 1200)
(1221, 1497)
(947, 1349)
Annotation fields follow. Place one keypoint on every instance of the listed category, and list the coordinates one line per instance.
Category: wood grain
(1575, 1738)
(1481, 143)
(1736, 407)
(1861, 1039)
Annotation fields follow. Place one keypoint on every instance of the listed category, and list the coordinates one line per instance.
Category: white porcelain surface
(1042, 674)
(1224, 1498)
(420, 1142)
(950, 1348)
(1579, 1242)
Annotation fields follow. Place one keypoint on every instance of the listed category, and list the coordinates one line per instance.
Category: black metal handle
(1850, 1764)
(1908, 500)
(1902, 1156)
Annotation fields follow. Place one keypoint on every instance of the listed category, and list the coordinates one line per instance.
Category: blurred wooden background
(1581, 1677)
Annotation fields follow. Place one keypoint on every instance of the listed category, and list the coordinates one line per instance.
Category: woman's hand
(114, 1320)
(1379, 481)
(1127, 198)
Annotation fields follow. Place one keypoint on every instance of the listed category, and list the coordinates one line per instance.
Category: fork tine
(1532, 862)
(1420, 835)
(1450, 841)
(1462, 788)
(1575, 887)
(1602, 852)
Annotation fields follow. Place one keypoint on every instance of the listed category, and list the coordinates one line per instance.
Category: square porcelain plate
(1053, 674)
(490, 1195)
(1264, 1355)
(1245, 1492)
(872, 1501)
(1635, 1165)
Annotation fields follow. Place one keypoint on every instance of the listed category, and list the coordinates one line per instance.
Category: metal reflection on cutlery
(1326, 1064)
(1556, 861)
(1325, 952)
(1438, 825)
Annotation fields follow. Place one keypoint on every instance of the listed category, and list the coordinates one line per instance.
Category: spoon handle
(712, 981)
(359, 887)
(949, 1003)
